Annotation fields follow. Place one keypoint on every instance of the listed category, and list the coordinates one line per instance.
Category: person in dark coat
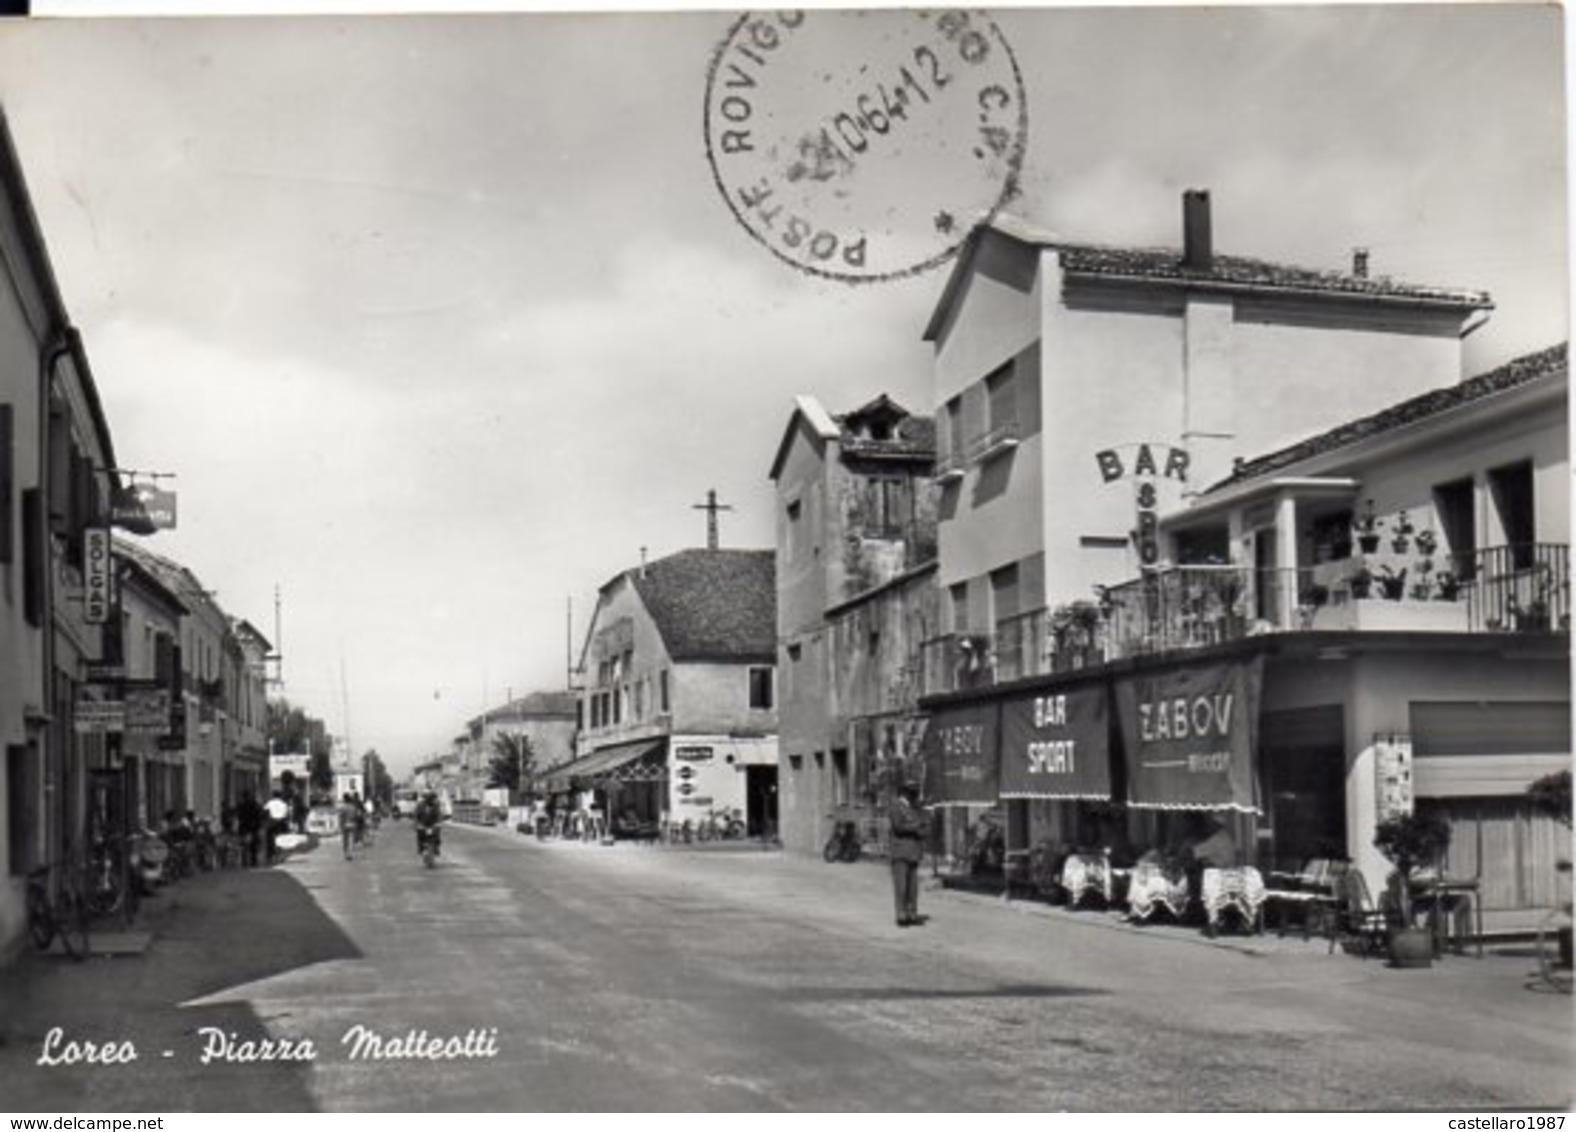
(908, 839)
(249, 823)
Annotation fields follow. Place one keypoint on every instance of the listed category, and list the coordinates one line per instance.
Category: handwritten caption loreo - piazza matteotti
(212, 1045)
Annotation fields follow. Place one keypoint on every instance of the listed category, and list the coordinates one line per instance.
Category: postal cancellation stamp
(861, 146)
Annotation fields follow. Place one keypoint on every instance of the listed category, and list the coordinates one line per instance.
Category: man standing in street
(908, 835)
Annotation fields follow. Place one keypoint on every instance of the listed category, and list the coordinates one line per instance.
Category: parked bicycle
(105, 882)
(55, 909)
(721, 825)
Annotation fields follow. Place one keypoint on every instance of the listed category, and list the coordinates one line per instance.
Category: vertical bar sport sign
(96, 575)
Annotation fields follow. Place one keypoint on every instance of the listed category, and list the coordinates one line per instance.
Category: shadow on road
(898, 994)
(210, 932)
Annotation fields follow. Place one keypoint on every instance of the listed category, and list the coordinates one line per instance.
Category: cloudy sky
(440, 320)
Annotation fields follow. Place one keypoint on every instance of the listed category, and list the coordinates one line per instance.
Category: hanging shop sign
(99, 717)
(142, 509)
(96, 575)
(1188, 736)
(1057, 745)
(962, 754)
(147, 711)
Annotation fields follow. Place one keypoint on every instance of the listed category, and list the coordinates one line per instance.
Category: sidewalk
(197, 936)
(871, 881)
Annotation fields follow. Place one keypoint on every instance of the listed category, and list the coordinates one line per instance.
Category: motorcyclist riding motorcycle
(428, 815)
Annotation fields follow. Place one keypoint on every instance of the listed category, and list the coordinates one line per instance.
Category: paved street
(661, 979)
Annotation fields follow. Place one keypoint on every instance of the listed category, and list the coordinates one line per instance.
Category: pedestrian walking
(908, 835)
(277, 815)
(348, 811)
(359, 819)
(249, 823)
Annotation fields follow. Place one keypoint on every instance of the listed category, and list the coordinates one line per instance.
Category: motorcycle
(427, 844)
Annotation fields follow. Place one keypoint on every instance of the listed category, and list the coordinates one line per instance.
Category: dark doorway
(760, 801)
(1304, 763)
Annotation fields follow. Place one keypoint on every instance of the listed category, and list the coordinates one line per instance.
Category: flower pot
(1411, 947)
(1368, 544)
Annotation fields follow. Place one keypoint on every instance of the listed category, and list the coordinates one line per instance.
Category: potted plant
(1427, 543)
(1312, 598)
(1366, 528)
(1391, 584)
(1361, 582)
(1532, 617)
(1401, 533)
(1411, 842)
(1449, 585)
(1422, 587)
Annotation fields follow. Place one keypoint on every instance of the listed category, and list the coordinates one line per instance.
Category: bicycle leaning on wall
(56, 909)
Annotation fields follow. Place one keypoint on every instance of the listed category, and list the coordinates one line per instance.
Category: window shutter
(7, 487)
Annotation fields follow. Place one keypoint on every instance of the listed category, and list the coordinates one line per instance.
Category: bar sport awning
(1056, 745)
(623, 761)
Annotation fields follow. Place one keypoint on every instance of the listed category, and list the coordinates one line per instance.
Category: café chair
(1360, 925)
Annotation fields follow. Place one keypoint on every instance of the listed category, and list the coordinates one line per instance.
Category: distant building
(856, 601)
(679, 707)
(544, 719)
(153, 747)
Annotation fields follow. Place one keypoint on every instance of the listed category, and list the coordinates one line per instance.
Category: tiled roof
(713, 604)
(1226, 272)
(910, 435)
(1240, 271)
(528, 706)
(1517, 372)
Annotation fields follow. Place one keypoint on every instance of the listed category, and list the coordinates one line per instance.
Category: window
(840, 777)
(761, 688)
(889, 507)
(1458, 523)
(1511, 487)
(952, 439)
(665, 705)
(959, 594)
(792, 538)
(1001, 393)
(33, 551)
(7, 485)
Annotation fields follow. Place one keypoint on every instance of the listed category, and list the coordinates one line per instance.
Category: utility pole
(711, 507)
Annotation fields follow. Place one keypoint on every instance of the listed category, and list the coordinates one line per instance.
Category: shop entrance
(1304, 765)
(760, 801)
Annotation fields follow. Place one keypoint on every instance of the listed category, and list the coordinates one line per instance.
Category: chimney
(1198, 253)
(1360, 262)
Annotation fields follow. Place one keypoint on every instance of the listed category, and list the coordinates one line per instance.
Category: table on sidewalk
(1451, 902)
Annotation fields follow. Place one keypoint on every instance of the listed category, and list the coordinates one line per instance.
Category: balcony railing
(1179, 608)
(1002, 438)
(1522, 588)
